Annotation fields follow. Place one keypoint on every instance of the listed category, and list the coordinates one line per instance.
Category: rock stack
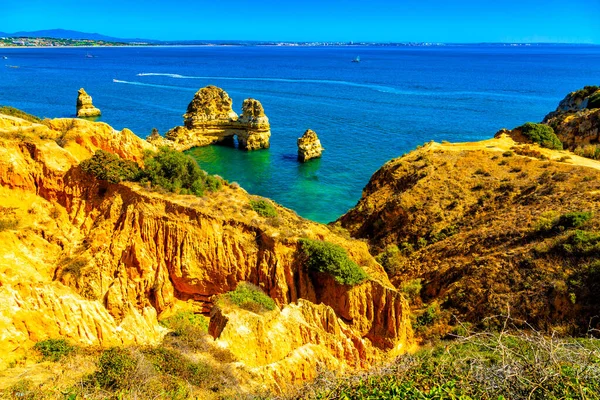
(210, 119)
(309, 146)
(258, 131)
(85, 108)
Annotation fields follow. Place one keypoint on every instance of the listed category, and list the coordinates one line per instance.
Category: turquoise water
(364, 113)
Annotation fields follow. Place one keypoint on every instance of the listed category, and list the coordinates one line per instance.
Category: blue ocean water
(364, 113)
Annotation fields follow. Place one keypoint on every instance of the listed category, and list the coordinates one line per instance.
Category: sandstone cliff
(85, 108)
(96, 262)
(483, 229)
(211, 119)
(309, 146)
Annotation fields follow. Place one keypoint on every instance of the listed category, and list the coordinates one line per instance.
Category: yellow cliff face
(96, 262)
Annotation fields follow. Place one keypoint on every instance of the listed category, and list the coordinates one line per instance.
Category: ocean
(365, 113)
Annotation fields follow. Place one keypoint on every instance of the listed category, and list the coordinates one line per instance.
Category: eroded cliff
(96, 262)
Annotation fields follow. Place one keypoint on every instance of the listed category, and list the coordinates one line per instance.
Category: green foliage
(54, 349)
(483, 366)
(594, 100)
(391, 259)
(550, 222)
(110, 167)
(412, 288)
(589, 150)
(116, 369)
(541, 134)
(170, 362)
(263, 208)
(332, 259)
(574, 219)
(429, 315)
(185, 323)
(167, 169)
(586, 91)
(250, 297)
(508, 153)
(176, 172)
(580, 243)
(14, 112)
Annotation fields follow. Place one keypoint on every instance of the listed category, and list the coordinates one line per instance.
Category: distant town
(50, 42)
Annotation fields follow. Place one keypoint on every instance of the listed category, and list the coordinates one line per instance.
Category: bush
(168, 169)
(263, 208)
(110, 167)
(390, 259)
(116, 369)
(250, 297)
(14, 112)
(573, 219)
(594, 100)
(581, 243)
(167, 361)
(541, 134)
(184, 322)
(412, 288)
(332, 259)
(174, 171)
(54, 349)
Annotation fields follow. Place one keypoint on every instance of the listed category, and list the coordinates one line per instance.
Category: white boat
(357, 59)
(4, 58)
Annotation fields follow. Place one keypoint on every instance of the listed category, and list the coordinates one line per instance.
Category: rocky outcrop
(211, 119)
(576, 120)
(315, 338)
(114, 256)
(85, 108)
(309, 146)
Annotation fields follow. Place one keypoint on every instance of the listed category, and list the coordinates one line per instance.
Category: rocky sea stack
(85, 108)
(210, 119)
(309, 146)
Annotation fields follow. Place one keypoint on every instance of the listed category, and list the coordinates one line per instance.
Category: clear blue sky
(573, 21)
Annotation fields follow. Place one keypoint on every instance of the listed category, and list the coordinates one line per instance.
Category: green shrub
(168, 169)
(573, 219)
(581, 243)
(594, 100)
(116, 369)
(412, 288)
(174, 171)
(171, 362)
(332, 259)
(54, 349)
(390, 259)
(250, 297)
(541, 134)
(110, 167)
(14, 112)
(183, 322)
(7, 224)
(264, 208)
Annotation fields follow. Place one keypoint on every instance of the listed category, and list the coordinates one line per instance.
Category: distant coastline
(44, 42)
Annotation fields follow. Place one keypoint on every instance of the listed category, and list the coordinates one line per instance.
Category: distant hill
(68, 34)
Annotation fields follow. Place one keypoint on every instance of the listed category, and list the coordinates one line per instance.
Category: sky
(447, 21)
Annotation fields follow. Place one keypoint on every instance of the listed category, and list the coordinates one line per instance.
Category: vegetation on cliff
(167, 169)
(502, 365)
(332, 259)
(249, 297)
(541, 134)
(15, 112)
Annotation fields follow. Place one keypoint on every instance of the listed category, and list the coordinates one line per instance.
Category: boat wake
(154, 85)
(378, 88)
